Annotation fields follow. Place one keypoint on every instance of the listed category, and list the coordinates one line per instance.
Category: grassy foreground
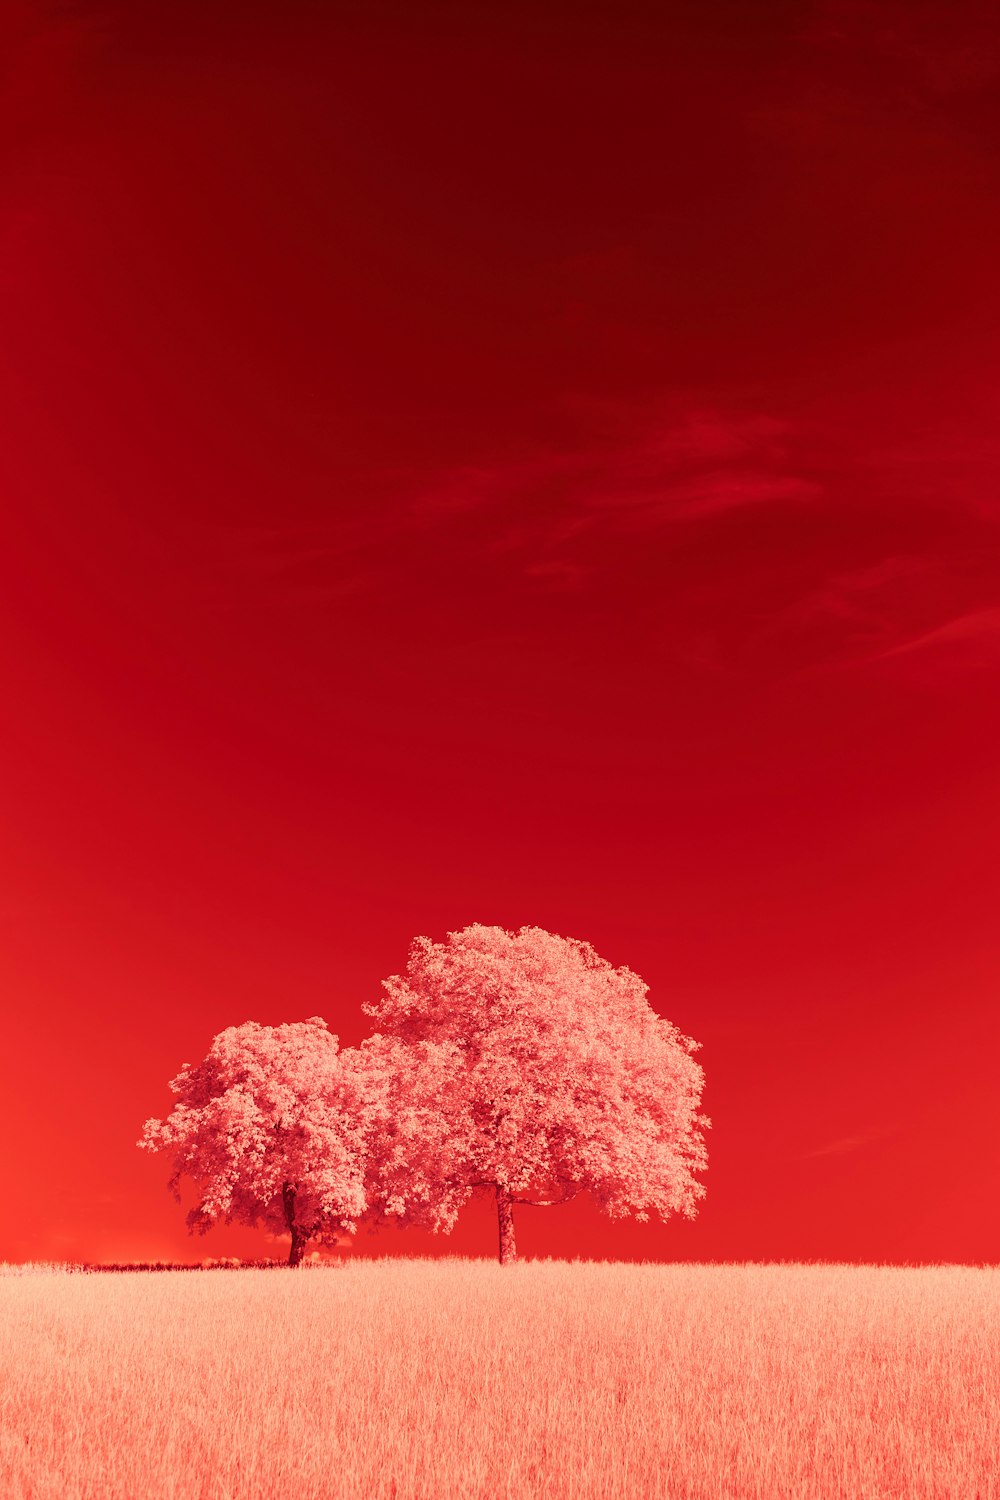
(424, 1380)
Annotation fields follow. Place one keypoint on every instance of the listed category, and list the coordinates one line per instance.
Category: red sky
(533, 463)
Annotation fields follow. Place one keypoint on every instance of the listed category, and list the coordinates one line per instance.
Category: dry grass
(428, 1380)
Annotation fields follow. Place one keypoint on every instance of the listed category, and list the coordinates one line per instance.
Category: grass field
(426, 1380)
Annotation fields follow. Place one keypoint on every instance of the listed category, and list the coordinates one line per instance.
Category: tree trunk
(300, 1237)
(505, 1220)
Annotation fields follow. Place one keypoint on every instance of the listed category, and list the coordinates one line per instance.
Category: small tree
(271, 1127)
(556, 1077)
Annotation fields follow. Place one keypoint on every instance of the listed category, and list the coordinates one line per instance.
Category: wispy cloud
(558, 574)
(710, 494)
(975, 634)
(848, 1145)
(854, 614)
(680, 467)
(547, 508)
(627, 476)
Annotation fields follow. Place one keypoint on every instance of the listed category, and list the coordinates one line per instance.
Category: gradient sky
(532, 463)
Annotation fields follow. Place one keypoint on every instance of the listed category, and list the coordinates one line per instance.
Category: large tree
(553, 1075)
(271, 1127)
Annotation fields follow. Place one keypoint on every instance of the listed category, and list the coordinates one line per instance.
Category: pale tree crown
(271, 1111)
(567, 1079)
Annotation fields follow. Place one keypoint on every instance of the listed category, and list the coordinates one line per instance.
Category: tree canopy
(271, 1126)
(567, 1080)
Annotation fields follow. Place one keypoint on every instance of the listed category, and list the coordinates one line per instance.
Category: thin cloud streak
(847, 1145)
(639, 479)
(977, 628)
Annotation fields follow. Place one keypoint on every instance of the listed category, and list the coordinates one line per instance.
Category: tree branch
(547, 1202)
